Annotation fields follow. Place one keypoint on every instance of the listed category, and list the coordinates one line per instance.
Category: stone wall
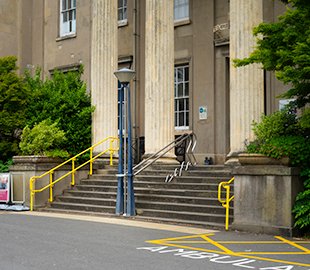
(264, 197)
(35, 166)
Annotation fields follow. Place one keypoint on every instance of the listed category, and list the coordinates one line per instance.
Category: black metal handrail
(189, 152)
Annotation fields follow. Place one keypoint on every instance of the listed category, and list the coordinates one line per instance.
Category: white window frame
(178, 6)
(181, 98)
(124, 9)
(67, 12)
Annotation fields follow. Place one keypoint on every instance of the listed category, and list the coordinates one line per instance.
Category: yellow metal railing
(90, 161)
(225, 203)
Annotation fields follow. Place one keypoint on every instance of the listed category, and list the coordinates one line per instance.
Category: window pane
(73, 26)
(181, 11)
(187, 10)
(180, 90)
(69, 4)
(182, 2)
(187, 105)
(125, 3)
(74, 3)
(70, 15)
(186, 90)
(175, 119)
(175, 90)
(181, 119)
(120, 3)
(176, 13)
(64, 4)
(180, 75)
(125, 14)
(65, 17)
(74, 16)
(187, 119)
(181, 105)
(186, 74)
(65, 27)
(176, 105)
(120, 14)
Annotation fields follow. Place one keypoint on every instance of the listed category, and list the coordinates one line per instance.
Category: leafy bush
(4, 166)
(280, 143)
(14, 97)
(280, 123)
(42, 138)
(64, 100)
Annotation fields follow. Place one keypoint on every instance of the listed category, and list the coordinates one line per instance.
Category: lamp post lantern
(124, 76)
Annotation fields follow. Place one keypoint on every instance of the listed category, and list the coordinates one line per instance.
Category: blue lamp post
(124, 76)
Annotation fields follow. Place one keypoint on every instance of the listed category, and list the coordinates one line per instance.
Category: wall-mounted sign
(4, 187)
(203, 113)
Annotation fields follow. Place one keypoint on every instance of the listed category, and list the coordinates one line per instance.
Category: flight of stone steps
(190, 199)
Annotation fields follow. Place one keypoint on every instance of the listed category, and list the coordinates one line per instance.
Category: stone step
(155, 185)
(181, 207)
(177, 199)
(162, 179)
(83, 207)
(87, 200)
(191, 216)
(148, 191)
(172, 167)
(179, 192)
(146, 198)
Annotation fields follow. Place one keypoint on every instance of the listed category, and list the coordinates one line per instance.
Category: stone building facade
(180, 50)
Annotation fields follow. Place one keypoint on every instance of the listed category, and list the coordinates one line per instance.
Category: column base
(232, 159)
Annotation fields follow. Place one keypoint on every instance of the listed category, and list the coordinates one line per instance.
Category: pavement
(40, 240)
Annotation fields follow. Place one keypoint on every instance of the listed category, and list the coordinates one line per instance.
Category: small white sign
(203, 113)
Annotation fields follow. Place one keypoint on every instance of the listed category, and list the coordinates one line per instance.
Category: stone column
(103, 64)
(246, 83)
(159, 77)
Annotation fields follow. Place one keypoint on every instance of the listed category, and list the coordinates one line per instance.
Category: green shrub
(280, 123)
(4, 166)
(64, 100)
(14, 97)
(43, 139)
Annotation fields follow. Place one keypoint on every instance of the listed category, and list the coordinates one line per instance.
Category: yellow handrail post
(226, 202)
(31, 193)
(111, 152)
(73, 173)
(227, 206)
(91, 161)
(51, 186)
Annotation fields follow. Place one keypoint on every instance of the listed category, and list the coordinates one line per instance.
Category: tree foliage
(285, 49)
(41, 138)
(62, 99)
(14, 97)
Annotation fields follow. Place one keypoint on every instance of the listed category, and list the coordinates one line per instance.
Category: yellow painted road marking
(218, 245)
(173, 242)
(293, 244)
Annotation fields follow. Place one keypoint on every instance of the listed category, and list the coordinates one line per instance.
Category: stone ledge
(266, 170)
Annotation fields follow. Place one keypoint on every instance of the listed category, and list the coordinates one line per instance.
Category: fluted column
(246, 83)
(103, 64)
(159, 76)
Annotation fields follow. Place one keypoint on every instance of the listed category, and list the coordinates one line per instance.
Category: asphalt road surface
(35, 240)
